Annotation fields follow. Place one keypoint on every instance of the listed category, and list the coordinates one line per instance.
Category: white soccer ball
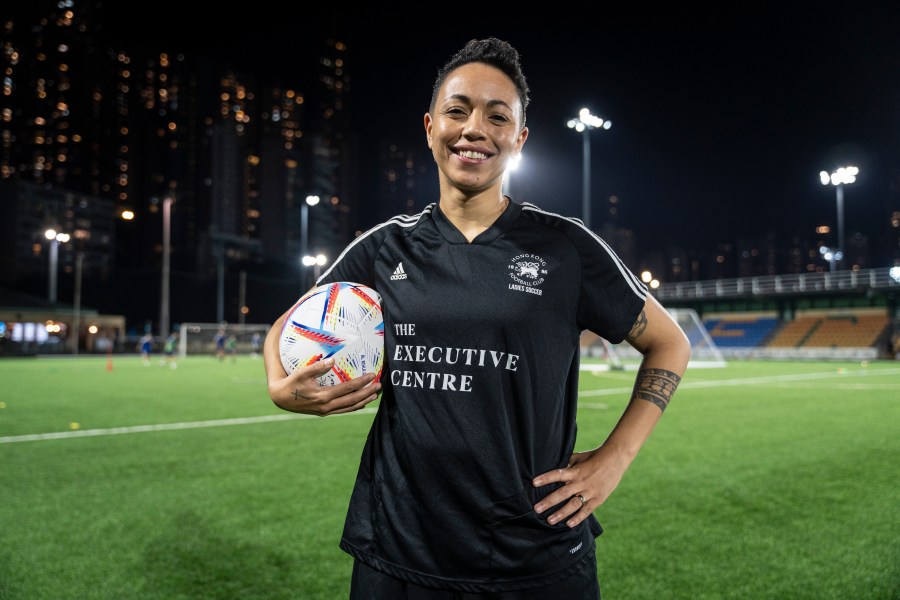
(340, 320)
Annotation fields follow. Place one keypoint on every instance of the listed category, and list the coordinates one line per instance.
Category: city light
(647, 277)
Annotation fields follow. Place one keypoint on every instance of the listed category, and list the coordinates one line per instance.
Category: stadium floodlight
(583, 124)
(55, 237)
(831, 255)
(317, 261)
(838, 178)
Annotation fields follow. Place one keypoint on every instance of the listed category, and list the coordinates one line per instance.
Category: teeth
(472, 154)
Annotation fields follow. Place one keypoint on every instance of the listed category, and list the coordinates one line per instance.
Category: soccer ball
(340, 320)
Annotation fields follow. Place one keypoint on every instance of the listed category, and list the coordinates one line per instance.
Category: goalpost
(704, 352)
(200, 338)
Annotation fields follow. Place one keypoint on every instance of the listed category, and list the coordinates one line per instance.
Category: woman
(468, 485)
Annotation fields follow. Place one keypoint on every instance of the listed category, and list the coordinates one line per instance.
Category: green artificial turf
(762, 480)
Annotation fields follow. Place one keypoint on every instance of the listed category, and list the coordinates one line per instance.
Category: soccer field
(762, 480)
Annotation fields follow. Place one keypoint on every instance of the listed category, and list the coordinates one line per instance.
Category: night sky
(721, 123)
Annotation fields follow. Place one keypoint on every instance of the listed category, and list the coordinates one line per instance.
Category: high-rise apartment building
(128, 130)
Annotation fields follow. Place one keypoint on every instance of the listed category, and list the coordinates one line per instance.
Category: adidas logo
(399, 273)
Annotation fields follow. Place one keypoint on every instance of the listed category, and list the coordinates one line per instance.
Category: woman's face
(475, 128)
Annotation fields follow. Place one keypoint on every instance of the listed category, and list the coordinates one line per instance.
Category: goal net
(200, 338)
(704, 352)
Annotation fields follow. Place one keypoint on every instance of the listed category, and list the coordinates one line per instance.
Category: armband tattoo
(656, 386)
(639, 326)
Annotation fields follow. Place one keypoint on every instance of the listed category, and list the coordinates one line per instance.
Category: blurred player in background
(170, 348)
(219, 339)
(145, 346)
(255, 344)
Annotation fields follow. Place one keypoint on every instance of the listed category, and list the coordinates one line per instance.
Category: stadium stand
(792, 334)
(741, 331)
(847, 330)
(815, 333)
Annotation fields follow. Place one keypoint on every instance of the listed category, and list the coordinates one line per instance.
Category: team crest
(528, 270)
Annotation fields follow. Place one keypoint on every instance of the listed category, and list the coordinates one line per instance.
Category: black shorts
(369, 584)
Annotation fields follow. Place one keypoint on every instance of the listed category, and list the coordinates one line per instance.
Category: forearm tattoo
(639, 326)
(656, 386)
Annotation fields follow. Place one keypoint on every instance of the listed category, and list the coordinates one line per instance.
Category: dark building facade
(99, 139)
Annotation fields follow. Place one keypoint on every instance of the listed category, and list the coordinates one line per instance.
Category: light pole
(317, 261)
(166, 263)
(55, 238)
(583, 124)
(838, 178)
(76, 325)
(304, 232)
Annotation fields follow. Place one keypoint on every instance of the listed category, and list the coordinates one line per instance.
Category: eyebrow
(467, 100)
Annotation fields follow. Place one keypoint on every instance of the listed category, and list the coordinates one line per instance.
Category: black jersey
(480, 391)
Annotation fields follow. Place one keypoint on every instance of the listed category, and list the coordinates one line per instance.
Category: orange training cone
(109, 360)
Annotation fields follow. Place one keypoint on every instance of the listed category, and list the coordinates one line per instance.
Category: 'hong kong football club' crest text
(528, 272)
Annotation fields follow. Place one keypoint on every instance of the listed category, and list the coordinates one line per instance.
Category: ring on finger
(580, 497)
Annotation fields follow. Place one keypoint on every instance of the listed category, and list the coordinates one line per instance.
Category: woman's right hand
(300, 391)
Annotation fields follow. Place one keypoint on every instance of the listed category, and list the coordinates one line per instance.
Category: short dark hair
(490, 51)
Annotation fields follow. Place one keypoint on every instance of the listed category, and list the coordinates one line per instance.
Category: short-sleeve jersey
(480, 391)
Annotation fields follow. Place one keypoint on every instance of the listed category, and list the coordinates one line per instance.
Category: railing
(774, 285)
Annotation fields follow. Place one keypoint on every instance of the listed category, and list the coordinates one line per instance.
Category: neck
(473, 215)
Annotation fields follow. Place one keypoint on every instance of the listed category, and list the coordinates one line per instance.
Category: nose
(475, 126)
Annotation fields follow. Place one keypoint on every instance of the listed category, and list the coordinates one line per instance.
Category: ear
(523, 135)
(428, 125)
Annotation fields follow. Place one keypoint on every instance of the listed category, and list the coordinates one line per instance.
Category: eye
(455, 112)
(500, 118)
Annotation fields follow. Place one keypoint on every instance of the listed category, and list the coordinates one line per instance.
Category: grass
(762, 480)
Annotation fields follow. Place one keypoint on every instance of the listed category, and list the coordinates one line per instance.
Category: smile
(473, 154)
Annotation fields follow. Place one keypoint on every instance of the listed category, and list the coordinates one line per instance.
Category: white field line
(766, 380)
(164, 427)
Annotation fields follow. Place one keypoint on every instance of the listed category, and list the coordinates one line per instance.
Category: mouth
(469, 154)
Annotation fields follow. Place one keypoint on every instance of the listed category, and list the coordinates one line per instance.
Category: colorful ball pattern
(341, 320)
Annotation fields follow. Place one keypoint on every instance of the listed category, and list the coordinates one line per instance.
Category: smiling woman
(474, 128)
(477, 423)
